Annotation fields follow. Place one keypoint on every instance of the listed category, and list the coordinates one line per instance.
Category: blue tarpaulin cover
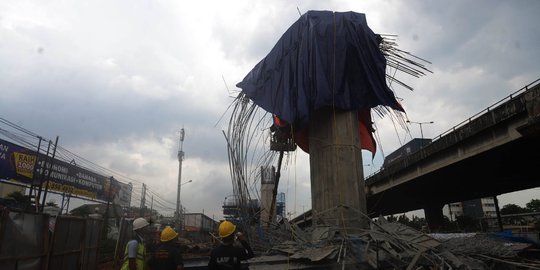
(325, 58)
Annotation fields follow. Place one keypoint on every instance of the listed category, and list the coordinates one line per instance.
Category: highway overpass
(493, 152)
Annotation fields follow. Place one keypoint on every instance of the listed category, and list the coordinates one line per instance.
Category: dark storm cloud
(481, 52)
(460, 34)
(247, 39)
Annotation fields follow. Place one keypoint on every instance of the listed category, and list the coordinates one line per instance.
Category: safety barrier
(32, 241)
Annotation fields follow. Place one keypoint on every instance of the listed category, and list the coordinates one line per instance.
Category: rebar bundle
(248, 150)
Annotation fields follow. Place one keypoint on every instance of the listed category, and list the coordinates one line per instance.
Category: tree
(468, 224)
(403, 219)
(81, 211)
(18, 200)
(418, 223)
(533, 205)
(512, 209)
(17, 196)
(448, 225)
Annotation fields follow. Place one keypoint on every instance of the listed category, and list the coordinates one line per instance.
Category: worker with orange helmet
(227, 255)
(167, 255)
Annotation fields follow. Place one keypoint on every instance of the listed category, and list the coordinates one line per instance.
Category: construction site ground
(384, 245)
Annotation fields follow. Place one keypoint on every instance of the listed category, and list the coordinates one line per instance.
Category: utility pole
(48, 169)
(178, 213)
(130, 194)
(152, 205)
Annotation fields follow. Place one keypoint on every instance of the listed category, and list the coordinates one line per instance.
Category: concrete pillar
(337, 177)
(434, 216)
(498, 212)
(267, 192)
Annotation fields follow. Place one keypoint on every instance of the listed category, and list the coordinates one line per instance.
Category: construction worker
(135, 253)
(226, 255)
(167, 255)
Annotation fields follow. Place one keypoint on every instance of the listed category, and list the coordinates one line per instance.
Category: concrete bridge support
(434, 216)
(337, 177)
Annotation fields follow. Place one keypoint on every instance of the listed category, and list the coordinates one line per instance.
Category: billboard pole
(33, 186)
(42, 168)
(106, 215)
(48, 176)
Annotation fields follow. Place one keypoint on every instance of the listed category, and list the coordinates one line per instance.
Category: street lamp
(420, 123)
(189, 181)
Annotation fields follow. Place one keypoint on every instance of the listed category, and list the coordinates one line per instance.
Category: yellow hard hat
(168, 234)
(226, 228)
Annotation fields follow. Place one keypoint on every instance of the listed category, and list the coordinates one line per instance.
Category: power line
(15, 126)
(24, 137)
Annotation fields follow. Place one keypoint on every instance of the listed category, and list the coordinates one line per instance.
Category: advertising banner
(16, 162)
(21, 164)
(124, 195)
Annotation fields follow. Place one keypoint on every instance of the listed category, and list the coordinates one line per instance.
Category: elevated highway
(493, 152)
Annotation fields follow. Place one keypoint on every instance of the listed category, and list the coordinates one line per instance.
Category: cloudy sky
(117, 80)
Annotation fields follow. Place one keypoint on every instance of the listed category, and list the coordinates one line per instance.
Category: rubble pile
(388, 245)
(483, 244)
(491, 250)
(192, 249)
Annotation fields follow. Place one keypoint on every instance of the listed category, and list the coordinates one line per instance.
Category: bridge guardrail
(507, 98)
(470, 119)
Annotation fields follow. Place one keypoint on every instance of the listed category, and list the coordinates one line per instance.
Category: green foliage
(403, 219)
(417, 223)
(468, 224)
(533, 205)
(81, 211)
(449, 226)
(414, 222)
(18, 196)
(513, 209)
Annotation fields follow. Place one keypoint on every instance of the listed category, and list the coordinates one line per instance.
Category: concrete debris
(191, 249)
(316, 254)
(393, 246)
(485, 245)
(446, 236)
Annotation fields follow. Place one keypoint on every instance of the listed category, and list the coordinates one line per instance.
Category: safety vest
(140, 259)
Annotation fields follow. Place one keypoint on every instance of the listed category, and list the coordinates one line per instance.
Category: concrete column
(434, 216)
(498, 211)
(337, 177)
(267, 192)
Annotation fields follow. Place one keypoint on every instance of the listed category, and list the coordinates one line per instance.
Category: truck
(405, 150)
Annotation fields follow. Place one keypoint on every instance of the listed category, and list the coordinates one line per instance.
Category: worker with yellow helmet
(167, 256)
(227, 255)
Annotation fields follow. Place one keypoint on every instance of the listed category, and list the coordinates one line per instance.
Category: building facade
(477, 208)
(198, 226)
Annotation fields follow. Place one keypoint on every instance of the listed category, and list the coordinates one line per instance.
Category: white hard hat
(140, 223)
